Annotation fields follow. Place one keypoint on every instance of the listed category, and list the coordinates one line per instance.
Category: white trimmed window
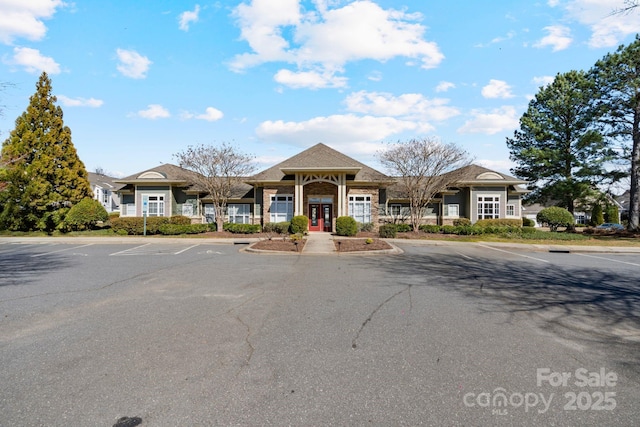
(156, 205)
(209, 213)
(281, 208)
(396, 210)
(453, 210)
(360, 208)
(105, 197)
(239, 213)
(511, 210)
(488, 207)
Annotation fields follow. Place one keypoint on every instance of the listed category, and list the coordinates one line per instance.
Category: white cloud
(132, 64)
(607, 29)
(187, 17)
(80, 102)
(410, 106)
(543, 80)
(210, 115)
(559, 38)
(24, 18)
(496, 165)
(496, 121)
(309, 79)
(497, 89)
(328, 38)
(343, 130)
(33, 61)
(153, 112)
(445, 86)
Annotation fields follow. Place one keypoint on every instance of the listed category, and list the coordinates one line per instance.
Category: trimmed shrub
(242, 228)
(597, 217)
(555, 217)
(403, 228)
(528, 222)
(346, 226)
(499, 222)
(430, 228)
(299, 224)
(84, 215)
(461, 221)
(177, 229)
(134, 225)
(366, 227)
(113, 215)
(449, 229)
(276, 227)
(180, 220)
(387, 231)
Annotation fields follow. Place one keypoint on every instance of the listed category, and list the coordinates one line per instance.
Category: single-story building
(322, 184)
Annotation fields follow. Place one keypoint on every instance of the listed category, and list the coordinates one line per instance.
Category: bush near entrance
(299, 224)
(346, 226)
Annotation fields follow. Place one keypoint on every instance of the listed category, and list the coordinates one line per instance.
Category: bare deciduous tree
(424, 168)
(218, 171)
(629, 5)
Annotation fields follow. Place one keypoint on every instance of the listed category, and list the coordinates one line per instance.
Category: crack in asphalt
(354, 342)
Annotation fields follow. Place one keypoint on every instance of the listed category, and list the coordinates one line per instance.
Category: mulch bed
(278, 244)
(359, 245)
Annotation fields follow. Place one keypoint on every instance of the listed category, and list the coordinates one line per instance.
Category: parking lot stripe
(186, 249)
(463, 255)
(130, 249)
(514, 253)
(60, 250)
(609, 259)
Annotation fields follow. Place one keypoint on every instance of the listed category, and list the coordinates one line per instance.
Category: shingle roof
(170, 174)
(317, 158)
(103, 181)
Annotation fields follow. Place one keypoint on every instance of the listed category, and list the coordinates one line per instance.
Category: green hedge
(276, 227)
(346, 226)
(367, 226)
(499, 222)
(461, 221)
(528, 222)
(133, 225)
(242, 228)
(180, 220)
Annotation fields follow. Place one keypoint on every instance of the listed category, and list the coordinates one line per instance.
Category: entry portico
(322, 184)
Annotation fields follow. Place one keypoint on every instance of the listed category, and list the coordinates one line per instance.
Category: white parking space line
(463, 255)
(124, 252)
(61, 250)
(185, 249)
(609, 259)
(514, 253)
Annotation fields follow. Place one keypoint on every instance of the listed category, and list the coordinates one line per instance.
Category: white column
(298, 195)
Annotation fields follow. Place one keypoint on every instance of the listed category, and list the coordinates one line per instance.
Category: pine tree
(43, 173)
(617, 76)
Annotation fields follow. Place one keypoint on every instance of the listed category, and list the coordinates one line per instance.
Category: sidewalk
(319, 243)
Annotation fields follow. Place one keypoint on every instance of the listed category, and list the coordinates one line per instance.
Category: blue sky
(141, 80)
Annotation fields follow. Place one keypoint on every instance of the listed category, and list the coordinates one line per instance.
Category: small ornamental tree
(555, 217)
(85, 215)
(219, 171)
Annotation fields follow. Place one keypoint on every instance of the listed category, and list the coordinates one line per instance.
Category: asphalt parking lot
(186, 333)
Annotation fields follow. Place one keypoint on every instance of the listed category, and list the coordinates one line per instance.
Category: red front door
(320, 217)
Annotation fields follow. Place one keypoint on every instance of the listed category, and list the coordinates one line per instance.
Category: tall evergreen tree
(558, 148)
(617, 77)
(43, 173)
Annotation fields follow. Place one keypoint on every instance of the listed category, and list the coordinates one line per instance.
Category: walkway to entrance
(319, 243)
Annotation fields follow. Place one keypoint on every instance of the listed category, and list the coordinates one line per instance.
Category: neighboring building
(322, 184)
(105, 190)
